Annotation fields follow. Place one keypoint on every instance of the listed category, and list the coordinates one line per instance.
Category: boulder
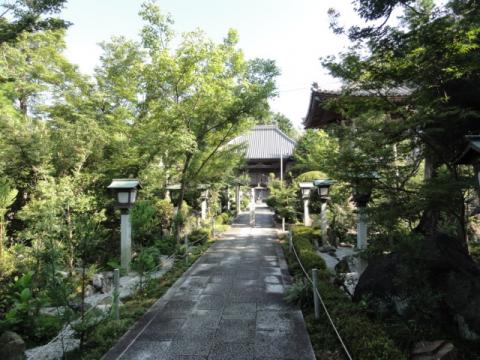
(433, 350)
(12, 346)
(102, 282)
(97, 281)
(89, 290)
(440, 266)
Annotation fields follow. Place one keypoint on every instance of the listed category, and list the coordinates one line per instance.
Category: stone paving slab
(228, 305)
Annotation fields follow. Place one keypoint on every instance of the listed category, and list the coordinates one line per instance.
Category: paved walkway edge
(142, 323)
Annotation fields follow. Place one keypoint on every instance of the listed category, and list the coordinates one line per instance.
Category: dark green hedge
(364, 337)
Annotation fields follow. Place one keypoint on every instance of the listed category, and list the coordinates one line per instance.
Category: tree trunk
(183, 182)
(1, 237)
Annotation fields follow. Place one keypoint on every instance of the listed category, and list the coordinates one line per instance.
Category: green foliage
(21, 316)
(26, 16)
(146, 260)
(365, 338)
(199, 236)
(223, 218)
(165, 210)
(166, 245)
(161, 109)
(145, 222)
(311, 176)
(424, 128)
(303, 240)
(107, 332)
(284, 199)
(283, 123)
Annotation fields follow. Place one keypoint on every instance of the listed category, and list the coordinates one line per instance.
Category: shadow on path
(228, 305)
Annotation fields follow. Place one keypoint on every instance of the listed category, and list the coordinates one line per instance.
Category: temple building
(267, 150)
(319, 116)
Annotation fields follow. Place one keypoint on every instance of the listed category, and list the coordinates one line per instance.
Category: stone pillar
(228, 198)
(324, 222)
(125, 240)
(167, 195)
(306, 213)
(361, 228)
(204, 208)
(237, 199)
(252, 208)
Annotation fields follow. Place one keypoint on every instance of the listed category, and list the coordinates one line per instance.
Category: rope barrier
(323, 304)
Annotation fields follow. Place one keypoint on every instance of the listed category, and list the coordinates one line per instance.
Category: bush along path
(364, 338)
(104, 334)
(228, 305)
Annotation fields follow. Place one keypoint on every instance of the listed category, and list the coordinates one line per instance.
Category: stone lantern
(362, 192)
(203, 200)
(126, 194)
(471, 155)
(323, 187)
(306, 188)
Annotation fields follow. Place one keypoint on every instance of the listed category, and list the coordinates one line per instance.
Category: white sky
(294, 33)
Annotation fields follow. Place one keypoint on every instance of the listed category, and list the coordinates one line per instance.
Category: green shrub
(223, 218)
(306, 234)
(145, 222)
(364, 337)
(474, 249)
(146, 260)
(199, 235)
(166, 245)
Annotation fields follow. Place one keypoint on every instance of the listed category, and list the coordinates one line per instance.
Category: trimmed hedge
(303, 237)
(364, 337)
(200, 235)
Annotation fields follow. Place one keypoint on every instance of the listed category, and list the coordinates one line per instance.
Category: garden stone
(97, 281)
(327, 249)
(101, 282)
(433, 350)
(12, 346)
(450, 272)
(89, 290)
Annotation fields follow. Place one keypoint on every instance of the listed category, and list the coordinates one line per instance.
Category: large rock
(433, 350)
(397, 282)
(12, 346)
(102, 282)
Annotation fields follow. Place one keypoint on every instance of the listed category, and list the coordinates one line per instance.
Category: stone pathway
(228, 305)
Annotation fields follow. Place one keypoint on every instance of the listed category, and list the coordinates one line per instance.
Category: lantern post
(126, 194)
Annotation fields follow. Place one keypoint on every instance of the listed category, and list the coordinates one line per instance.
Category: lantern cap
(323, 182)
(124, 184)
(306, 185)
(174, 187)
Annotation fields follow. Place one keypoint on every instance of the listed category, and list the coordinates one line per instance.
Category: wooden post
(316, 300)
(186, 249)
(290, 240)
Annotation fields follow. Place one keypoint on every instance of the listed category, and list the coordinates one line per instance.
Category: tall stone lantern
(362, 187)
(203, 200)
(323, 187)
(126, 193)
(471, 154)
(306, 188)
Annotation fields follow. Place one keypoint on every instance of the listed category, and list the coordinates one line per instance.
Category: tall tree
(199, 95)
(18, 16)
(432, 60)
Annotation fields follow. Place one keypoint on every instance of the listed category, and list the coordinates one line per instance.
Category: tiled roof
(266, 142)
(318, 116)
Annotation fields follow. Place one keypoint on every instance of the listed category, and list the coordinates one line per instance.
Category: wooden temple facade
(267, 151)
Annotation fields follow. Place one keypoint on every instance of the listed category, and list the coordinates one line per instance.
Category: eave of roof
(318, 116)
